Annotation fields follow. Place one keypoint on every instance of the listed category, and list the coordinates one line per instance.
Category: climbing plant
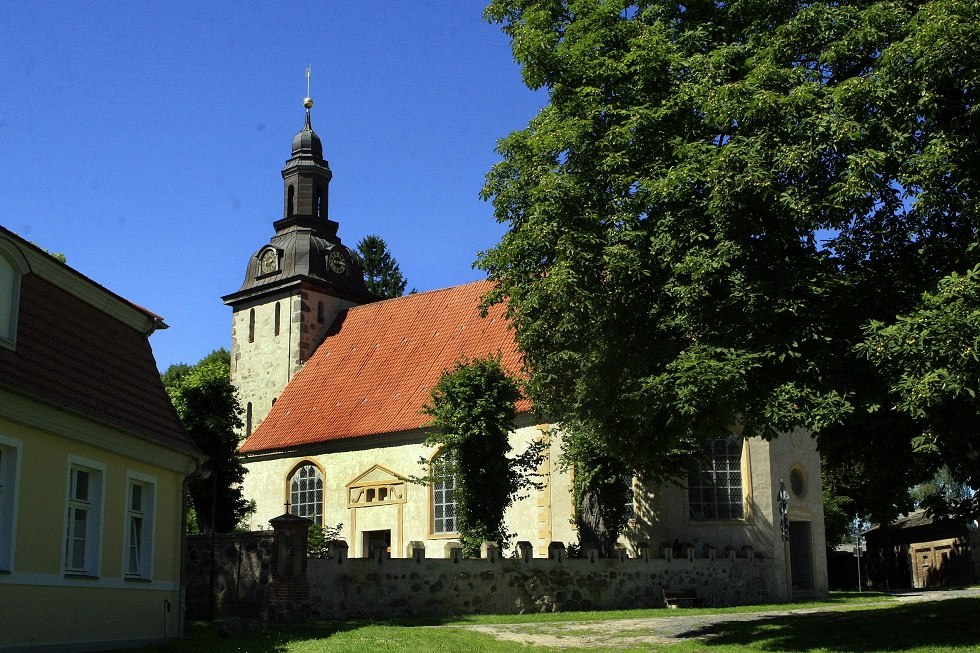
(472, 409)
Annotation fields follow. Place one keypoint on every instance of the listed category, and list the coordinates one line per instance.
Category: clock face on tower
(269, 262)
(337, 262)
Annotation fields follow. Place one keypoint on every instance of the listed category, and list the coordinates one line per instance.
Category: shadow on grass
(203, 636)
(938, 624)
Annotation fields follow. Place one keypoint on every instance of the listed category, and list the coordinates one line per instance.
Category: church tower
(294, 286)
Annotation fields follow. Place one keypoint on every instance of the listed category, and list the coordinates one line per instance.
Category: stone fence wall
(268, 576)
(420, 586)
(228, 574)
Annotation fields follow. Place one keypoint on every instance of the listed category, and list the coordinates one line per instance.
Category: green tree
(930, 358)
(602, 488)
(472, 410)
(381, 272)
(208, 407)
(716, 201)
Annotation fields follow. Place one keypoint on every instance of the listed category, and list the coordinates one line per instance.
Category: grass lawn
(855, 623)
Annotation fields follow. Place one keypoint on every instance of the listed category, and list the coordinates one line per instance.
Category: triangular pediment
(377, 475)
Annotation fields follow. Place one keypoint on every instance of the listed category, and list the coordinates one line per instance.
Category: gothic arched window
(306, 492)
(443, 473)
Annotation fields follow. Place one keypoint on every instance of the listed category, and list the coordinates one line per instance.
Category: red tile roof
(75, 356)
(373, 372)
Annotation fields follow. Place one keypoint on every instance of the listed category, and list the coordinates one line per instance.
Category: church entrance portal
(801, 555)
(375, 541)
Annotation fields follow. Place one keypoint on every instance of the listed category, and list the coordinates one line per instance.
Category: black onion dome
(307, 142)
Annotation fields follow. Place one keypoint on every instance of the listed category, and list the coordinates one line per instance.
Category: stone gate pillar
(289, 590)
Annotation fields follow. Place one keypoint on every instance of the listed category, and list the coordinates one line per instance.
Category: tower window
(290, 200)
(248, 419)
(319, 312)
(251, 325)
(277, 318)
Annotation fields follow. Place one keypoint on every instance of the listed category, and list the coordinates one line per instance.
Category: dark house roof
(374, 370)
(87, 360)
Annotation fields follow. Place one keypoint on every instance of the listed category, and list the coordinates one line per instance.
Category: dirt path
(627, 633)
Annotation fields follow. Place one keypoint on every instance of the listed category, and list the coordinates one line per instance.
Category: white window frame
(300, 501)
(441, 498)
(10, 455)
(712, 482)
(94, 506)
(10, 275)
(146, 534)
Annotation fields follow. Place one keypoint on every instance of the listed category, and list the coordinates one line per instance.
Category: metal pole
(857, 553)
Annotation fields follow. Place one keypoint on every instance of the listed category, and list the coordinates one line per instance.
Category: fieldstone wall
(384, 587)
(241, 562)
(267, 575)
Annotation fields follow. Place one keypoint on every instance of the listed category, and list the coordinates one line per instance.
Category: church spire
(306, 175)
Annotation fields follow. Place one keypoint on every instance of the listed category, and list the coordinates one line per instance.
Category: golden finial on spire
(308, 101)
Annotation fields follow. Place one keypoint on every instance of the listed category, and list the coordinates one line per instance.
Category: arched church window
(306, 493)
(443, 473)
(277, 319)
(251, 325)
(715, 491)
(290, 200)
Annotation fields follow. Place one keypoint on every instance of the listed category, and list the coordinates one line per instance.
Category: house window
(139, 528)
(9, 459)
(715, 490)
(84, 528)
(306, 493)
(443, 501)
(9, 292)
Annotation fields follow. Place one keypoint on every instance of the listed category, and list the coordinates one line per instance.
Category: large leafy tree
(208, 407)
(381, 272)
(931, 360)
(717, 199)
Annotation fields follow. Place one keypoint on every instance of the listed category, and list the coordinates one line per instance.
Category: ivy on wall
(473, 409)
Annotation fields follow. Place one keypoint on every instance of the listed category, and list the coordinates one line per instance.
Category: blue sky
(145, 140)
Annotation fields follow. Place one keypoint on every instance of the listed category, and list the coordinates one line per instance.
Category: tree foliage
(931, 361)
(472, 410)
(602, 487)
(208, 407)
(718, 199)
(381, 272)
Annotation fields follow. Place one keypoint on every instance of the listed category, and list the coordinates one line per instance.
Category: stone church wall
(539, 516)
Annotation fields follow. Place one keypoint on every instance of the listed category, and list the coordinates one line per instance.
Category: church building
(332, 384)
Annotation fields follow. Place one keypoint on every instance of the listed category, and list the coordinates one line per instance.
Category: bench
(686, 598)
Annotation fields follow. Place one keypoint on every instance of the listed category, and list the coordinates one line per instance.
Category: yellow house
(92, 465)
